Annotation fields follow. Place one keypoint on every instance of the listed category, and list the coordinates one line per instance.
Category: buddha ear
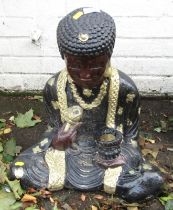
(108, 70)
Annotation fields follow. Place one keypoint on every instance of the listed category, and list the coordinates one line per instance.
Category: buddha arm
(130, 101)
(50, 100)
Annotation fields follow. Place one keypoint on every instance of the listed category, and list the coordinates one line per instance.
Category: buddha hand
(64, 139)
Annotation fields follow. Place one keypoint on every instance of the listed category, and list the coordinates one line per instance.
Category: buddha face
(87, 72)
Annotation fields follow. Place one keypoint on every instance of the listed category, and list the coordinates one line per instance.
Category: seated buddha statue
(92, 139)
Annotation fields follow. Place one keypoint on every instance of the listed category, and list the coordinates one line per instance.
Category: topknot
(86, 32)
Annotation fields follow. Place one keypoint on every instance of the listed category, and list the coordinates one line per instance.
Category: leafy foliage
(25, 120)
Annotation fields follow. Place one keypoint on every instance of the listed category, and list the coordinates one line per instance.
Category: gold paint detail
(113, 98)
(129, 122)
(36, 149)
(134, 143)
(51, 81)
(44, 141)
(83, 37)
(55, 104)
(96, 102)
(120, 110)
(56, 163)
(77, 15)
(120, 128)
(87, 92)
(130, 97)
(18, 172)
(111, 178)
(146, 166)
(139, 110)
(107, 137)
(75, 114)
(19, 163)
(49, 129)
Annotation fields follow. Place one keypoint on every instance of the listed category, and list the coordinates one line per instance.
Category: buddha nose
(85, 75)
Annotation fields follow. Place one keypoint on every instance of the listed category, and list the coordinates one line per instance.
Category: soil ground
(153, 111)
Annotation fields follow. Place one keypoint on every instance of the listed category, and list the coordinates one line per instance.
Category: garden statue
(92, 139)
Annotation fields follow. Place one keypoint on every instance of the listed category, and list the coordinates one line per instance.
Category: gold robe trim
(56, 163)
(111, 178)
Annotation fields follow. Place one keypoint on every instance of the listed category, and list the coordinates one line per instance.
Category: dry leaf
(94, 208)
(36, 117)
(29, 198)
(83, 197)
(152, 141)
(31, 190)
(132, 208)
(154, 153)
(99, 197)
(51, 200)
(7, 130)
(67, 207)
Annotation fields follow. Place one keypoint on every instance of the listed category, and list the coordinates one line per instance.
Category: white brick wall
(143, 49)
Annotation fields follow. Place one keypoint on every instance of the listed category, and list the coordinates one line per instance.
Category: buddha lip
(86, 80)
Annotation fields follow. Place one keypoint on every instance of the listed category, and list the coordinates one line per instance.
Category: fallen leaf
(158, 129)
(34, 207)
(51, 200)
(25, 120)
(29, 198)
(2, 172)
(152, 141)
(11, 118)
(66, 206)
(164, 126)
(6, 200)
(99, 197)
(10, 147)
(1, 147)
(94, 207)
(2, 123)
(7, 130)
(132, 208)
(154, 153)
(83, 197)
(36, 117)
(15, 187)
(40, 98)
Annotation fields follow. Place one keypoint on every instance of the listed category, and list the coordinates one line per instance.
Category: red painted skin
(86, 72)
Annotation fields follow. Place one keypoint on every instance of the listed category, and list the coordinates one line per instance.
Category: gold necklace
(87, 92)
(112, 102)
(96, 102)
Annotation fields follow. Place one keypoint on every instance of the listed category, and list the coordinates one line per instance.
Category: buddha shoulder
(126, 82)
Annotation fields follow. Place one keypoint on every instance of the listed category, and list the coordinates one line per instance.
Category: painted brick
(153, 84)
(15, 27)
(143, 47)
(144, 66)
(32, 65)
(146, 27)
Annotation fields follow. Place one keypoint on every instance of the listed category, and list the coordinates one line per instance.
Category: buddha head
(86, 40)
